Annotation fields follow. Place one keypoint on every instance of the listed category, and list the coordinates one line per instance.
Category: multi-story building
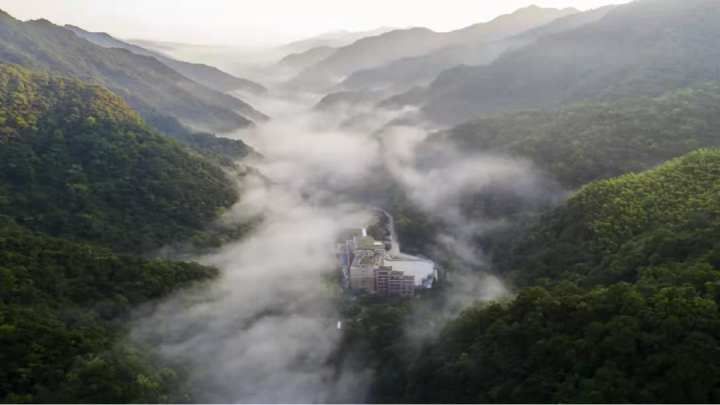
(367, 266)
(393, 282)
(365, 258)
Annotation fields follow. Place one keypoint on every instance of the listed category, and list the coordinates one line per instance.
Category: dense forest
(620, 296)
(83, 183)
(77, 162)
(606, 252)
(595, 140)
(63, 307)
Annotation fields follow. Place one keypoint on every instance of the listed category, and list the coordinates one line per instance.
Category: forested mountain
(642, 48)
(222, 150)
(628, 312)
(145, 83)
(401, 75)
(208, 76)
(656, 223)
(77, 162)
(63, 313)
(581, 168)
(588, 141)
(378, 50)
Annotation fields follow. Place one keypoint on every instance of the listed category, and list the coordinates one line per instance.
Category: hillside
(629, 314)
(63, 313)
(584, 142)
(77, 162)
(378, 50)
(628, 227)
(145, 83)
(642, 48)
(208, 76)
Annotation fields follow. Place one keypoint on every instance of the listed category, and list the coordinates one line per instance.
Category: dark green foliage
(62, 311)
(373, 338)
(624, 344)
(629, 311)
(592, 141)
(614, 229)
(77, 162)
(415, 229)
(223, 150)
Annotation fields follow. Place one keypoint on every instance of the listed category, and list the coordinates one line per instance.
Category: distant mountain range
(208, 76)
(333, 39)
(147, 84)
(403, 74)
(374, 51)
(643, 48)
(302, 60)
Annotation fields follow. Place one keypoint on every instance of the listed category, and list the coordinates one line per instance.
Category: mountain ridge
(206, 75)
(374, 51)
(147, 84)
(618, 55)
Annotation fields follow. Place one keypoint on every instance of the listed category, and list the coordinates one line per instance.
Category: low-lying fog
(265, 331)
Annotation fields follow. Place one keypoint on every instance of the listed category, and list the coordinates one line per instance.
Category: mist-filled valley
(522, 210)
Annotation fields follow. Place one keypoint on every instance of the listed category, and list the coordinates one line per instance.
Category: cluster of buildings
(368, 266)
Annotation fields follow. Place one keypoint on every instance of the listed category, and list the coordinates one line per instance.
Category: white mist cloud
(439, 179)
(265, 331)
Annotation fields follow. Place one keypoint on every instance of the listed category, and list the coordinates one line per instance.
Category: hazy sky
(245, 22)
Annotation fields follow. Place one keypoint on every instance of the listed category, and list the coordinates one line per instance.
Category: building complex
(368, 266)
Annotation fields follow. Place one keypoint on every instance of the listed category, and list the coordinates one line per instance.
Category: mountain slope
(581, 143)
(77, 162)
(63, 313)
(631, 314)
(375, 51)
(146, 84)
(208, 76)
(623, 228)
(642, 48)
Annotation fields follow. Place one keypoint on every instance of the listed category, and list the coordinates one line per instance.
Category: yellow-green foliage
(25, 97)
(671, 195)
(619, 229)
(77, 162)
